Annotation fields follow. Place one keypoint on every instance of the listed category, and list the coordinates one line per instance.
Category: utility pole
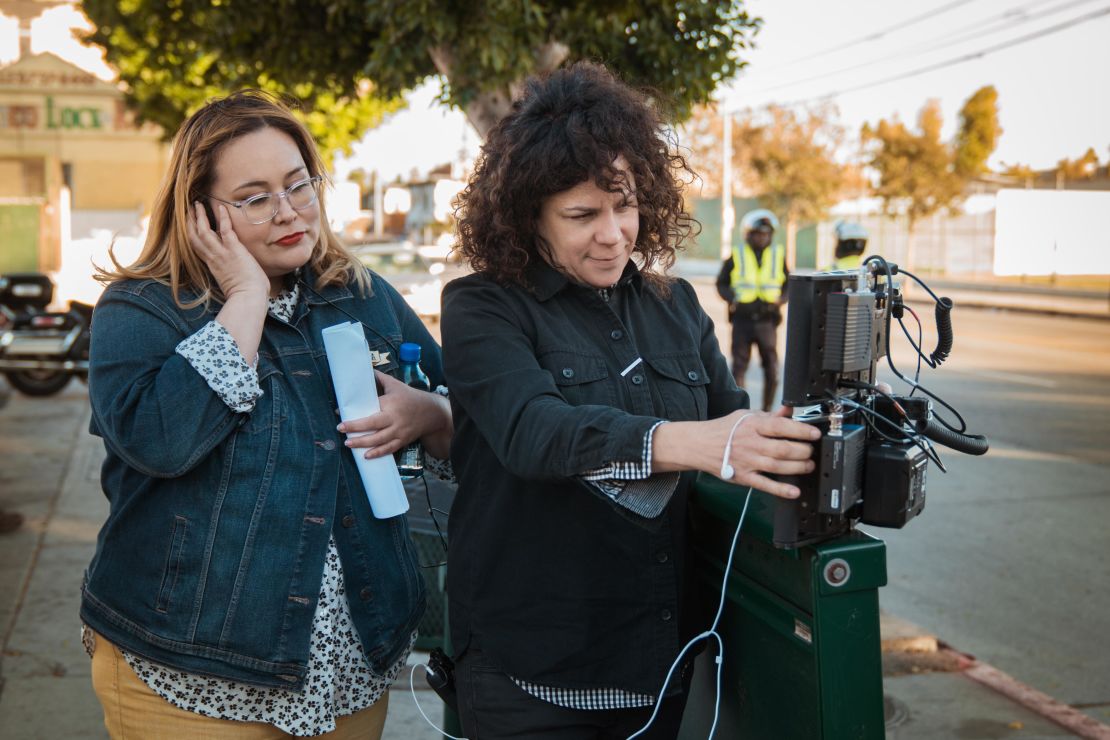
(728, 217)
(379, 211)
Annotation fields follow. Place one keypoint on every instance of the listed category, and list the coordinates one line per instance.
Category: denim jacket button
(348, 521)
(365, 593)
(327, 444)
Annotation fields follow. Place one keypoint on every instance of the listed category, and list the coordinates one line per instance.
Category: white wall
(1044, 232)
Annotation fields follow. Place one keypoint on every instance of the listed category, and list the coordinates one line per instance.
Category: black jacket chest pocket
(581, 379)
(681, 381)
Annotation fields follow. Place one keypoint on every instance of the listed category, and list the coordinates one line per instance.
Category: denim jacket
(211, 558)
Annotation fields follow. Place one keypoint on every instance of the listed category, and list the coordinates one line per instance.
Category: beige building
(72, 162)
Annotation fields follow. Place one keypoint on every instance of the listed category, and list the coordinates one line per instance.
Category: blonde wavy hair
(167, 256)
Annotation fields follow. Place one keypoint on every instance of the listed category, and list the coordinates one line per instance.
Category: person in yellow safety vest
(851, 241)
(751, 280)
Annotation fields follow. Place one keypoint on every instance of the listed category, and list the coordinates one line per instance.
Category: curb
(901, 636)
(1036, 701)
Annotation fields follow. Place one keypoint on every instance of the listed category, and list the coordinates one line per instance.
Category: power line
(950, 62)
(876, 35)
(935, 44)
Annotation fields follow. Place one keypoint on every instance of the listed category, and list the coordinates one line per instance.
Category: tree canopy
(978, 133)
(916, 172)
(793, 158)
(1081, 168)
(919, 173)
(349, 61)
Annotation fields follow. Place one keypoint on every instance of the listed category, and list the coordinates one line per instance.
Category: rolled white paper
(356, 391)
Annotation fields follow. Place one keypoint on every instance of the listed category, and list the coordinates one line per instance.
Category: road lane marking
(1016, 453)
(1010, 377)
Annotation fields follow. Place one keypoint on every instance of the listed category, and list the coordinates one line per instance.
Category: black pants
(492, 706)
(760, 331)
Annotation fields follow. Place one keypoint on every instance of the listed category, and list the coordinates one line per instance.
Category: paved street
(1009, 562)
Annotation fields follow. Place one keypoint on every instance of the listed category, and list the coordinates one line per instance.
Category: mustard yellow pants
(132, 711)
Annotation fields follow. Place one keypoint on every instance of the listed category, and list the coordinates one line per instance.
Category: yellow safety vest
(752, 281)
(851, 262)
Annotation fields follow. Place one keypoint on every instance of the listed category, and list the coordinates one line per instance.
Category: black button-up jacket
(558, 584)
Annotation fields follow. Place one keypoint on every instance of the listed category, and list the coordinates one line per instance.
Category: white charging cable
(727, 471)
(412, 688)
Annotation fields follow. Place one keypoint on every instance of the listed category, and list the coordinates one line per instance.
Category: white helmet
(758, 217)
(846, 230)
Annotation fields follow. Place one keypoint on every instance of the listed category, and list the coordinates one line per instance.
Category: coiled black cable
(971, 444)
(944, 331)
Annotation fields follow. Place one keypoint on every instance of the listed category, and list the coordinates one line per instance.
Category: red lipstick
(290, 240)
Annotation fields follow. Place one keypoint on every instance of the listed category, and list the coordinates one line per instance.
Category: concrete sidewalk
(51, 472)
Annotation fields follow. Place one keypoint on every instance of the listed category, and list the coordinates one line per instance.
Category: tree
(1083, 168)
(170, 67)
(790, 159)
(701, 137)
(978, 133)
(916, 170)
(1019, 171)
(346, 56)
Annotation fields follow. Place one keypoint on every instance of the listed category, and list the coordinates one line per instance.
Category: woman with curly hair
(587, 388)
(242, 587)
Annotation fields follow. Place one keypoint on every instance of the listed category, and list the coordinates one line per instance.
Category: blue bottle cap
(409, 352)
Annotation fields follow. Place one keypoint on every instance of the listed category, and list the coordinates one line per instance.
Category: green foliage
(174, 56)
(979, 132)
(916, 170)
(350, 60)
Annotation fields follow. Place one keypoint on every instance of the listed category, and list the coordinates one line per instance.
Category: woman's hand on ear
(235, 269)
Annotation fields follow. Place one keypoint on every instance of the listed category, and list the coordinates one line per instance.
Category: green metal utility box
(802, 656)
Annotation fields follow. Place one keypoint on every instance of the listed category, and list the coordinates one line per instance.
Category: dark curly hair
(567, 127)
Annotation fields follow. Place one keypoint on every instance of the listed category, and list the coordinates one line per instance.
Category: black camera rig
(875, 447)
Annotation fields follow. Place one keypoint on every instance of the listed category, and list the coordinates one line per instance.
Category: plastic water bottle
(410, 459)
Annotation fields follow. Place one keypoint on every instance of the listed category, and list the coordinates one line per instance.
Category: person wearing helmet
(751, 280)
(851, 241)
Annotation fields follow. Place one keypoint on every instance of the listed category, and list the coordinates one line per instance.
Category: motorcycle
(40, 351)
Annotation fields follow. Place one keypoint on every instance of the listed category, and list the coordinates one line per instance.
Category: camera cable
(889, 272)
(712, 632)
(727, 472)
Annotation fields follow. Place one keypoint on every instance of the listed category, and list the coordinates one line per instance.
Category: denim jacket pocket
(582, 379)
(172, 567)
(682, 382)
(269, 410)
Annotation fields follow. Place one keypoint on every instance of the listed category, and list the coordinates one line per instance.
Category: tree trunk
(791, 241)
(490, 106)
(909, 245)
(486, 109)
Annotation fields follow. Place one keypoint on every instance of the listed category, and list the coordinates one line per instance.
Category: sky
(1053, 90)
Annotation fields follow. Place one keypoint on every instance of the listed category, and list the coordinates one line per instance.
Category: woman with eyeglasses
(241, 586)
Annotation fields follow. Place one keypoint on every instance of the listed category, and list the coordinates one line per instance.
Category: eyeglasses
(263, 207)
